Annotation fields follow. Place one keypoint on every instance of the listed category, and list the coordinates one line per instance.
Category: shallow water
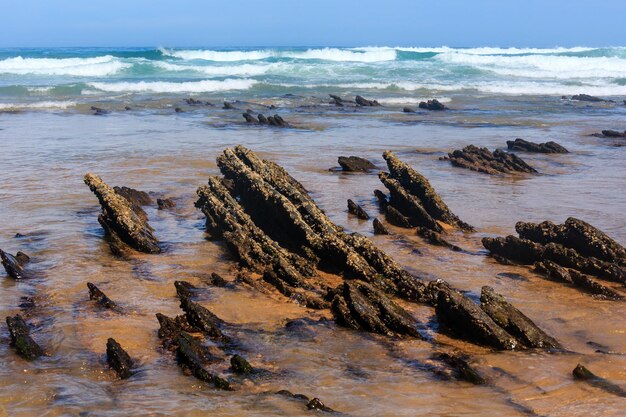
(45, 156)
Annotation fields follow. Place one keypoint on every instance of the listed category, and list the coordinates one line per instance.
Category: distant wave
(101, 66)
(480, 51)
(243, 69)
(174, 87)
(38, 105)
(324, 54)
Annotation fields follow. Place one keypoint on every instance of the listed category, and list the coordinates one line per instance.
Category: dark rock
(482, 160)
(317, 405)
(280, 121)
(360, 306)
(101, 298)
(586, 97)
(228, 106)
(118, 359)
(379, 228)
(433, 104)
(427, 205)
(436, 239)
(408, 110)
(185, 289)
(249, 118)
(21, 340)
(119, 219)
(613, 134)
(193, 102)
(360, 101)
(355, 164)
(240, 365)
(217, 280)
(467, 319)
(127, 108)
(13, 265)
(464, 371)
(583, 374)
(262, 119)
(165, 203)
(525, 146)
(22, 258)
(523, 251)
(514, 321)
(393, 216)
(135, 197)
(203, 319)
(569, 276)
(189, 358)
(178, 110)
(357, 210)
(383, 201)
(97, 111)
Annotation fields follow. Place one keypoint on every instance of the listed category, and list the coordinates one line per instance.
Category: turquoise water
(63, 77)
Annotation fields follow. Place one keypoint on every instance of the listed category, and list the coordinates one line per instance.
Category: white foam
(223, 56)
(84, 67)
(324, 54)
(410, 100)
(240, 70)
(38, 105)
(203, 86)
(478, 51)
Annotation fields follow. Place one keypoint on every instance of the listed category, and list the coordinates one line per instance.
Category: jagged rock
(523, 251)
(22, 258)
(379, 228)
(436, 239)
(262, 119)
(433, 104)
(383, 201)
(467, 319)
(586, 97)
(427, 204)
(165, 203)
(100, 298)
(249, 118)
(135, 197)
(185, 289)
(21, 340)
(118, 359)
(97, 111)
(14, 265)
(583, 374)
(171, 328)
(193, 102)
(317, 405)
(203, 319)
(188, 354)
(482, 160)
(526, 146)
(217, 280)
(514, 321)
(337, 101)
(119, 219)
(393, 216)
(228, 106)
(357, 210)
(360, 306)
(613, 134)
(240, 365)
(408, 110)
(464, 371)
(360, 101)
(577, 279)
(355, 164)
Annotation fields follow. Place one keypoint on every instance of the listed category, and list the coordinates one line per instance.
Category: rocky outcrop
(586, 97)
(360, 101)
(526, 146)
(408, 110)
(433, 104)
(610, 134)
(482, 160)
(583, 374)
(355, 164)
(14, 265)
(414, 198)
(119, 360)
(354, 208)
(165, 203)
(120, 222)
(574, 252)
(21, 340)
(379, 227)
(100, 298)
(275, 120)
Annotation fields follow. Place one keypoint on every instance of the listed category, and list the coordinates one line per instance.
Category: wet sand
(45, 156)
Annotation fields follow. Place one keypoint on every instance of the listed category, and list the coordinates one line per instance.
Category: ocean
(61, 78)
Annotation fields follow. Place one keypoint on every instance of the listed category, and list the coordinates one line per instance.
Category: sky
(231, 23)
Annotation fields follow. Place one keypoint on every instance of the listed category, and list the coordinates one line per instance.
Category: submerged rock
(355, 164)
(21, 340)
(526, 146)
(433, 104)
(135, 197)
(189, 357)
(240, 365)
(14, 265)
(482, 160)
(120, 221)
(185, 289)
(460, 365)
(101, 298)
(586, 97)
(584, 374)
(165, 203)
(360, 101)
(354, 208)
(408, 110)
(118, 359)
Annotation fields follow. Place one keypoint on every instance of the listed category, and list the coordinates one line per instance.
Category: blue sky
(541, 23)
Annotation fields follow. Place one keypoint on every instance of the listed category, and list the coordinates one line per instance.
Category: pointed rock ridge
(379, 227)
(526, 146)
(363, 102)
(514, 321)
(415, 197)
(21, 340)
(354, 208)
(14, 265)
(118, 359)
(583, 374)
(119, 219)
(189, 358)
(482, 160)
(574, 252)
(101, 298)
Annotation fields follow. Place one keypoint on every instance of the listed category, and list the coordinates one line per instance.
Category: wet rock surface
(354, 208)
(379, 227)
(482, 160)
(118, 359)
(355, 164)
(526, 146)
(360, 101)
(100, 298)
(587, 97)
(21, 340)
(583, 374)
(120, 221)
(574, 252)
(433, 104)
(14, 265)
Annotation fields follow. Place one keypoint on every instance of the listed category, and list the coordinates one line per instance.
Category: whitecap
(174, 87)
